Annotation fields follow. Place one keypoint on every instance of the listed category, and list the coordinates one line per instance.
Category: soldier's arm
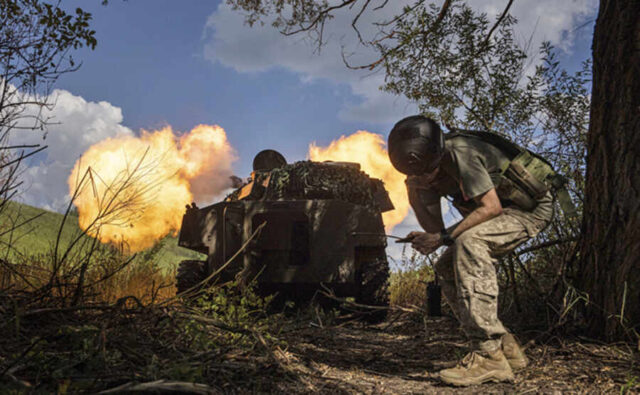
(475, 183)
(489, 206)
(426, 205)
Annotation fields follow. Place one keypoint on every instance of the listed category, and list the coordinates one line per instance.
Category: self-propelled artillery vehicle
(294, 229)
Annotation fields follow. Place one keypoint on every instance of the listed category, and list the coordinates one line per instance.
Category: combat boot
(512, 351)
(478, 369)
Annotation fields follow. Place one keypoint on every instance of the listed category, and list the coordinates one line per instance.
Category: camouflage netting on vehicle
(317, 180)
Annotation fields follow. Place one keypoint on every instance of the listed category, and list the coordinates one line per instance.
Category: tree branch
(441, 15)
(498, 22)
(322, 15)
(546, 244)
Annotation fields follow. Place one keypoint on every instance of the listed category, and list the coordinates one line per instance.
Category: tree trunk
(610, 248)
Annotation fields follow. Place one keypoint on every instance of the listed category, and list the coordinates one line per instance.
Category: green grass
(38, 235)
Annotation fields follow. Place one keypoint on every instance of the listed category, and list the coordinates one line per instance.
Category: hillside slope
(36, 231)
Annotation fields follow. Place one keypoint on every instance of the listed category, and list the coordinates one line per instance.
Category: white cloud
(76, 125)
(263, 48)
(545, 20)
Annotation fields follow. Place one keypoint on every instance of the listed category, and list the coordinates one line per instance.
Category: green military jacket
(469, 168)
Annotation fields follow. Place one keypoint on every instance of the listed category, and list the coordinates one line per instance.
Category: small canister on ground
(434, 299)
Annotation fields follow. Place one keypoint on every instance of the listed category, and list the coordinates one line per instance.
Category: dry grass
(408, 281)
(128, 332)
(127, 327)
(110, 276)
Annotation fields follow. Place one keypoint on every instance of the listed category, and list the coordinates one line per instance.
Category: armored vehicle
(294, 229)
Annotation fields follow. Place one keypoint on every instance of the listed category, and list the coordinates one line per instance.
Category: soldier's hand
(413, 235)
(426, 243)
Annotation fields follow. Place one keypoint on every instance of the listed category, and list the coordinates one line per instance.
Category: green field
(26, 231)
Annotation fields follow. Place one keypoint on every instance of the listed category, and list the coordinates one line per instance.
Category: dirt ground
(402, 356)
(144, 350)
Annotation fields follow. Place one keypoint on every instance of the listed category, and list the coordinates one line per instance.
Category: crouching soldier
(501, 210)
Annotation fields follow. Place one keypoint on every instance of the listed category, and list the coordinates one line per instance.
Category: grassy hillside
(38, 235)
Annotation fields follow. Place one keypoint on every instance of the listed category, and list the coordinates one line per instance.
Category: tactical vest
(526, 177)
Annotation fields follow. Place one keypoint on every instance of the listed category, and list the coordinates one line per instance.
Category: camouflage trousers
(467, 272)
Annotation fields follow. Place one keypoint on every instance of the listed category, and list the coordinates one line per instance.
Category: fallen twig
(164, 386)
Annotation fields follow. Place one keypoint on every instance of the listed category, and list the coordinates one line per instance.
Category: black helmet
(267, 160)
(416, 145)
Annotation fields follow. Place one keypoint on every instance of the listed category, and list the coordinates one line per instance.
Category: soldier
(468, 170)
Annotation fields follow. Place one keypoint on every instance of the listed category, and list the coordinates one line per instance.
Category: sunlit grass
(36, 231)
(409, 278)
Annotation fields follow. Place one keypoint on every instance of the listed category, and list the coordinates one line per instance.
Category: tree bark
(610, 247)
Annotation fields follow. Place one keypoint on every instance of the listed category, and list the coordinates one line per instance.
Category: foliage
(468, 72)
(101, 345)
(26, 231)
(110, 276)
(36, 41)
(85, 316)
(99, 317)
(461, 70)
(632, 382)
(236, 307)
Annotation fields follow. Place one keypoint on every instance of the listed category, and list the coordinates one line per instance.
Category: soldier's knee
(469, 243)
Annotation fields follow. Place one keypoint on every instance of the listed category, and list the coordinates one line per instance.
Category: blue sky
(150, 62)
(184, 63)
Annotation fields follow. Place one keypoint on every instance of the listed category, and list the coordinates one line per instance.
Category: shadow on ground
(403, 356)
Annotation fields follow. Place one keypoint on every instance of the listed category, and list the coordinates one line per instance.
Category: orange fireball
(368, 149)
(133, 190)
